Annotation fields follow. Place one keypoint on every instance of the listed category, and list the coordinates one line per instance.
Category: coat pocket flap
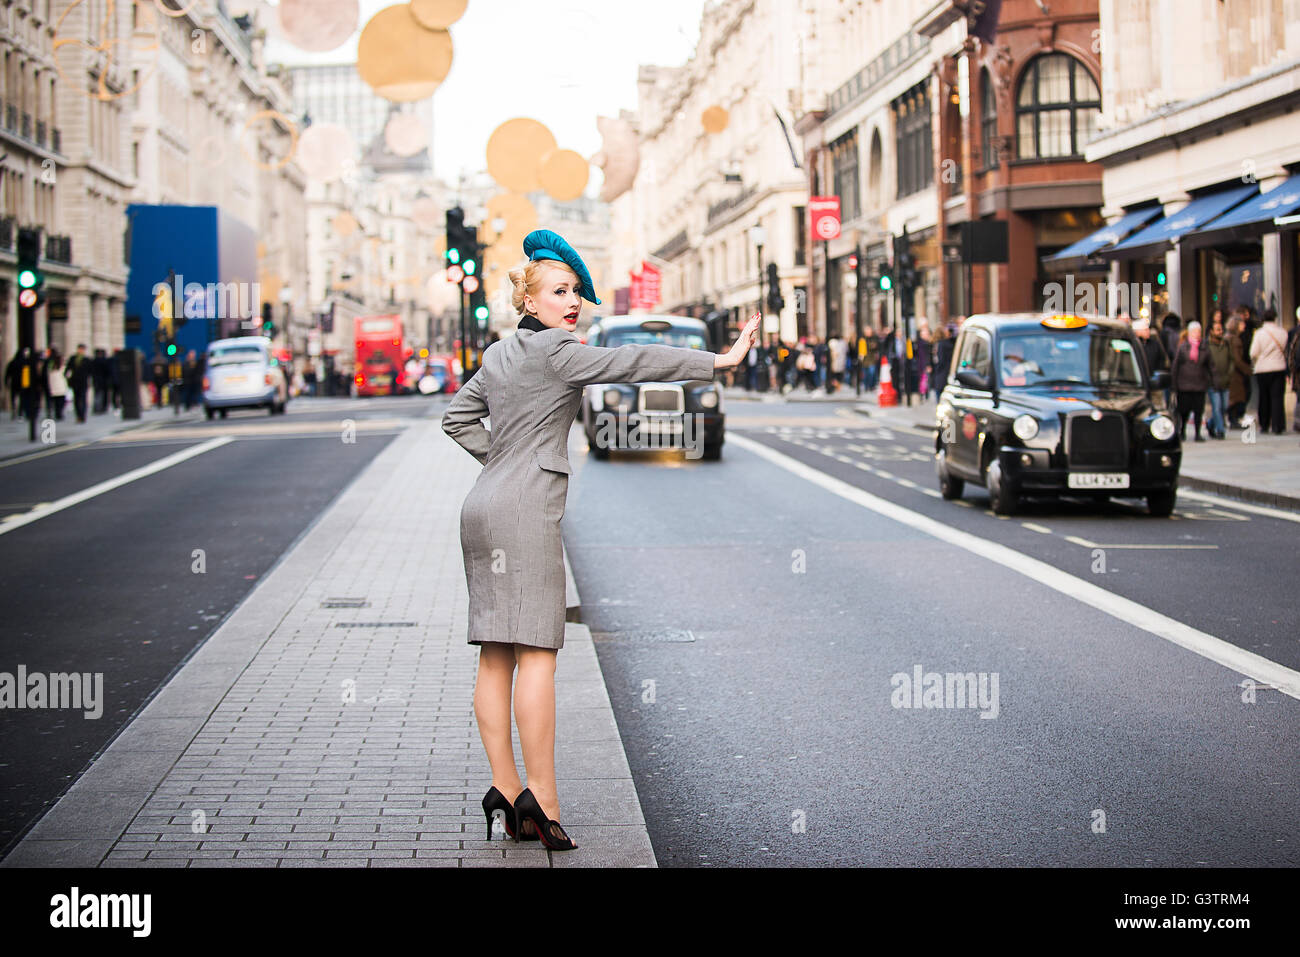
(553, 462)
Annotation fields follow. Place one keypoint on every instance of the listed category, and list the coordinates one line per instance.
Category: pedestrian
(102, 380)
(1239, 381)
(924, 356)
(1153, 350)
(56, 386)
(531, 385)
(1268, 358)
(807, 365)
(31, 376)
(159, 379)
(1221, 375)
(942, 347)
(837, 352)
(79, 372)
(192, 379)
(1293, 362)
(821, 355)
(751, 370)
(13, 383)
(1171, 328)
(1191, 375)
(871, 360)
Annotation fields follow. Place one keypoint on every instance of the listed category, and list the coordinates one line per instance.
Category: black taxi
(653, 415)
(1044, 405)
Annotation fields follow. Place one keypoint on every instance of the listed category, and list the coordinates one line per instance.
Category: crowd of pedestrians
(44, 379)
(820, 366)
(1223, 366)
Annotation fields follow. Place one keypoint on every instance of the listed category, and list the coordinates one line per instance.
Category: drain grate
(345, 603)
(668, 634)
(376, 624)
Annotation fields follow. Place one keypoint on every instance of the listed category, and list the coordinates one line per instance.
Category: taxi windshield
(1067, 358)
(665, 337)
(235, 355)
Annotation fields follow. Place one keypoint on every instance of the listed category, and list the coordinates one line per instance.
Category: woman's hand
(741, 349)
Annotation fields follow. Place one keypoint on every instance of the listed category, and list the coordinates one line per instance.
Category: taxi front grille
(662, 399)
(1097, 443)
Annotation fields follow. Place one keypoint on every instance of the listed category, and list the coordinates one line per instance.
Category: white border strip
(1248, 663)
(76, 498)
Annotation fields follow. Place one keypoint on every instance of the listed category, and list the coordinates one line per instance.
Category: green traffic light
(886, 284)
(27, 279)
(453, 256)
(481, 313)
(1160, 279)
(171, 348)
(469, 267)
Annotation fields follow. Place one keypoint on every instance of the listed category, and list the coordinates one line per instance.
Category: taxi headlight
(614, 399)
(709, 398)
(1025, 427)
(1162, 428)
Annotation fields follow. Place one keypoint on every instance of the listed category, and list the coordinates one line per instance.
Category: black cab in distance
(1041, 405)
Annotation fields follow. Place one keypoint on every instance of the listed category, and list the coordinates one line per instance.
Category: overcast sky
(562, 62)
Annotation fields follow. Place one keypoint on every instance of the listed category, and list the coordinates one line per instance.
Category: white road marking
(1036, 528)
(1075, 539)
(10, 522)
(931, 492)
(1240, 506)
(1253, 666)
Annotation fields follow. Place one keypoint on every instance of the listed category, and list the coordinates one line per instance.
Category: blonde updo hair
(528, 280)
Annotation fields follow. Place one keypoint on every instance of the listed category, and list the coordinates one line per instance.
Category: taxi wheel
(950, 487)
(1161, 504)
(209, 413)
(597, 451)
(712, 452)
(223, 413)
(1001, 497)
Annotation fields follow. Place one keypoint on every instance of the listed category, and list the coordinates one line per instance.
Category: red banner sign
(645, 287)
(824, 211)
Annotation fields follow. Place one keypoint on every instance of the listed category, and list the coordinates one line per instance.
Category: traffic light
(268, 322)
(478, 307)
(886, 277)
(456, 247)
(31, 281)
(775, 301)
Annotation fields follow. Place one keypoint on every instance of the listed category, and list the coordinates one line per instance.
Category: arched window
(1056, 108)
(989, 119)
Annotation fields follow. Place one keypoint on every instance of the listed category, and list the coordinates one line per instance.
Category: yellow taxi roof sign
(1065, 322)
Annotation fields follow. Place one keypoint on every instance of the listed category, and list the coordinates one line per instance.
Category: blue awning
(1259, 212)
(1107, 235)
(1176, 225)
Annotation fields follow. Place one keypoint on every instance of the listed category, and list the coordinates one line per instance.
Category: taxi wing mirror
(1159, 380)
(973, 380)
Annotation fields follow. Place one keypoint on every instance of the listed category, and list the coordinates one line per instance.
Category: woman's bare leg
(535, 718)
(496, 668)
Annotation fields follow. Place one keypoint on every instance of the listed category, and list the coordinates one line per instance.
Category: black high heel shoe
(495, 801)
(550, 832)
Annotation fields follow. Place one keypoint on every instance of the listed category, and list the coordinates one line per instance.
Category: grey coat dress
(531, 384)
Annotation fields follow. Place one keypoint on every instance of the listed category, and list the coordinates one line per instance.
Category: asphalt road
(110, 585)
(750, 625)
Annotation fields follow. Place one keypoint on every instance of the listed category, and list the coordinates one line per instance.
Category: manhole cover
(376, 624)
(345, 603)
(669, 634)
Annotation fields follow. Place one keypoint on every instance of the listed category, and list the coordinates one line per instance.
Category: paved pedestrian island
(329, 720)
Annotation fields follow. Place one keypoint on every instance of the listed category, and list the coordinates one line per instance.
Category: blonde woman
(531, 385)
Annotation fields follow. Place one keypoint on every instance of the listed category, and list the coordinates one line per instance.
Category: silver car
(243, 373)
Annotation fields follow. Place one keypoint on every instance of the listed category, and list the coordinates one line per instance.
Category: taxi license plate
(1098, 480)
(236, 379)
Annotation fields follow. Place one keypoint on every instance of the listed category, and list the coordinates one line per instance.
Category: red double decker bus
(379, 358)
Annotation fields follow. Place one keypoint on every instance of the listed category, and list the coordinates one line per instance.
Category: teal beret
(545, 244)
